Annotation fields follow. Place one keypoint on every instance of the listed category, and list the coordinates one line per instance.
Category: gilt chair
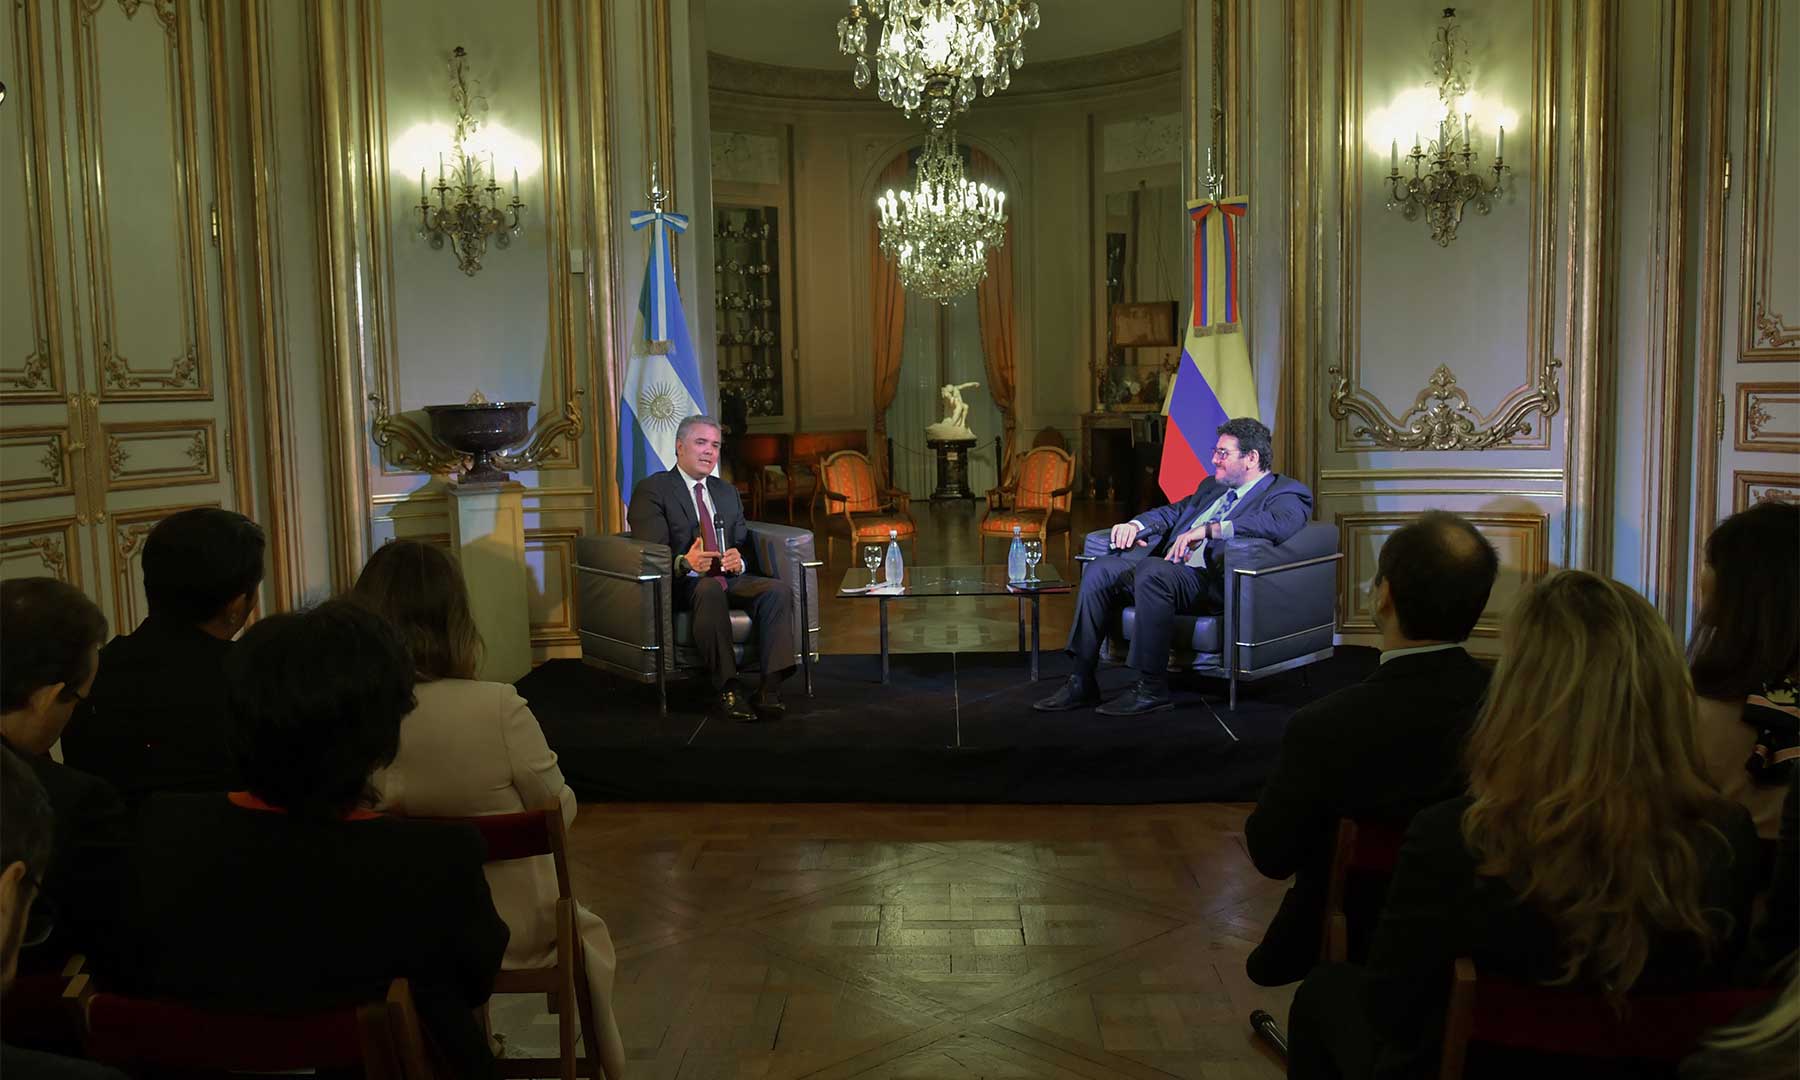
(805, 450)
(860, 507)
(1034, 496)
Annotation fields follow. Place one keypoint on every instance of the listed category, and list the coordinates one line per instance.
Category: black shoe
(736, 706)
(1145, 697)
(1077, 693)
(768, 705)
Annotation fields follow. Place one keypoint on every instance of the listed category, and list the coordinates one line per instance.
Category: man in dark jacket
(1166, 563)
(156, 718)
(1383, 749)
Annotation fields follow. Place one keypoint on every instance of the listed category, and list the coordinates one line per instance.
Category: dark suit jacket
(1378, 751)
(662, 512)
(1275, 510)
(256, 909)
(88, 845)
(1438, 908)
(155, 720)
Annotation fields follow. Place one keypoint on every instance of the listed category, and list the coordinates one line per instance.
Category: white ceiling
(803, 33)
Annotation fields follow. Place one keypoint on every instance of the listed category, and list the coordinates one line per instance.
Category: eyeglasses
(1226, 454)
(41, 923)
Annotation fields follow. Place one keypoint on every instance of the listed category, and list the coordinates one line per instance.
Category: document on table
(879, 589)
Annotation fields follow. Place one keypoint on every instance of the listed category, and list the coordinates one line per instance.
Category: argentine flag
(662, 381)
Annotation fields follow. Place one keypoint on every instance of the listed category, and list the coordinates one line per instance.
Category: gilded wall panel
(140, 194)
(550, 575)
(30, 369)
(1750, 487)
(1768, 416)
(1475, 370)
(1522, 539)
(34, 462)
(1770, 271)
(50, 548)
(160, 453)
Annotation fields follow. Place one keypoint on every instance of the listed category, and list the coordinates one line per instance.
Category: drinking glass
(871, 556)
(1034, 554)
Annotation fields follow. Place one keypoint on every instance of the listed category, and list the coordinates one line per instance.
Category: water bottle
(896, 570)
(1015, 557)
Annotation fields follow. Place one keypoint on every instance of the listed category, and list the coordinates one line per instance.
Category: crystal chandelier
(1444, 180)
(468, 209)
(940, 232)
(930, 53)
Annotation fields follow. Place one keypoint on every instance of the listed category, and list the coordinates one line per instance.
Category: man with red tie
(701, 519)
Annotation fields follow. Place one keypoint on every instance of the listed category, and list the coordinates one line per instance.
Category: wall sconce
(468, 209)
(1444, 178)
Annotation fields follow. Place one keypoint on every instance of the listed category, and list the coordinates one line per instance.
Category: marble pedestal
(952, 467)
(487, 534)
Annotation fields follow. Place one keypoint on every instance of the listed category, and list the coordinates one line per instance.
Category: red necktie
(706, 525)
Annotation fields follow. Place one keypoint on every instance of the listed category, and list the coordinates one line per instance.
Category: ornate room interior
(260, 254)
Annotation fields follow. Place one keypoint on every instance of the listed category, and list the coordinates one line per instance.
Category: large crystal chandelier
(931, 53)
(940, 232)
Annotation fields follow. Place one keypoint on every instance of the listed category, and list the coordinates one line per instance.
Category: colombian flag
(1214, 382)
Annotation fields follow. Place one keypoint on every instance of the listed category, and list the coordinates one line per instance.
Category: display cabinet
(748, 298)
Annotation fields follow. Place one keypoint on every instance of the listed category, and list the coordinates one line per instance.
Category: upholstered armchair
(860, 507)
(627, 623)
(1280, 608)
(1034, 496)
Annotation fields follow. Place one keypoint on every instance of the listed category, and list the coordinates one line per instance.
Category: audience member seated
(1746, 658)
(1166, 563)
(53, 634)
(1591, 850)
(1381, 750)
(471, 748)
(290, 894)
(156, 718)
(1763, 1045)
(700, 518)
(1775, 939)
(26, 845)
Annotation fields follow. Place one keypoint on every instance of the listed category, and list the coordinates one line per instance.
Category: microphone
(719, 528)
(1264, 1024)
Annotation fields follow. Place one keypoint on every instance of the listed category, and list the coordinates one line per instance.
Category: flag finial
(657, 194)
(1215, 181)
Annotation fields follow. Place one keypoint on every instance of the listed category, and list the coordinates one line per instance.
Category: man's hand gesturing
(698, 558)
(1125, 535)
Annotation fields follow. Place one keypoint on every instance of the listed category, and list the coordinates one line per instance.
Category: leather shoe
(736, 706)
(1075, 694)
(1145, 697)
(768, 706)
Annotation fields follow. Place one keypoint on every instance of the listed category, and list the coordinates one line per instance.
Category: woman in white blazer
(471, 748)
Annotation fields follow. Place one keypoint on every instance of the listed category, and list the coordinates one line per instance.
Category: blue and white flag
(662, 380)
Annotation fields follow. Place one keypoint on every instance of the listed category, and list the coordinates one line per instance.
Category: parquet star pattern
(913, 942)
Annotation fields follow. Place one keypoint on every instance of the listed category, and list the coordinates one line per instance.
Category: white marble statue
(955, 424)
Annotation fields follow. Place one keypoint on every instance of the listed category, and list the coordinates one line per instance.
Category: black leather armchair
(627, 622)
(1280, 609)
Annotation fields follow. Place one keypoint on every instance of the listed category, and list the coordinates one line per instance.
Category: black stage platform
(949, 728)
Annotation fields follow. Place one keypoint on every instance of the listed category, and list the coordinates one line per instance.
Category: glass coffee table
(927, 581)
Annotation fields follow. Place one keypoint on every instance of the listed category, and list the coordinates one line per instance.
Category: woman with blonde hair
(1590, 851)
(471, 748)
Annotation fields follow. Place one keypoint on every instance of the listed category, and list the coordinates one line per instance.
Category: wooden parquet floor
(921, 942)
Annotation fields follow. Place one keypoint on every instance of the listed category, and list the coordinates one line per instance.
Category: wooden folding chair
(529, 834)
(1366, 850)
(1574, 1023)
(382, 1038)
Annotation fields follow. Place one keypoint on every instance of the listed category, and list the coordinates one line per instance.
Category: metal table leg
(1034, 637)
(1021, 624)
(884, 639)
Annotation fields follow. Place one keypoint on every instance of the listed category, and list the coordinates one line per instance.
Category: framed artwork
(1144, 324)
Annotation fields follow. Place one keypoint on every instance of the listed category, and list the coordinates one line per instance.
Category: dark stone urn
(480, 430)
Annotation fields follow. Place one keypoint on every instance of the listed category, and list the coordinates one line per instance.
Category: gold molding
(1764, 335)
(1742, 480)
(1533, 530)
(54, 542)
(603, 267)
(199, 435)
(409, 444)
(562, 538)
(1302, 300)
(1588, 531)
(231, 299)
(1502, 473)
(1752, 417)
(1441, 416)
(41, 378)
(58, 477)
(1709, 340)
(548, 437)
(188, 375)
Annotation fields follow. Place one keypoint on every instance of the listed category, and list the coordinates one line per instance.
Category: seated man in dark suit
(701, 519)
(1383, 749)
(1166, 563)
(52, 634)
(290, 894)
(156, 718)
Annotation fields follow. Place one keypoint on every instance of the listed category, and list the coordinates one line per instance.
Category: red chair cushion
(1664, 1027)
(142, 1031)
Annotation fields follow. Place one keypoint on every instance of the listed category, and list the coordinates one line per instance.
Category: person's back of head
(1585, 770)
(203, 565)
(52, 634)
(1439, 571)
(25, 837)
(1749, 633)
(315, 699)
(419, 591)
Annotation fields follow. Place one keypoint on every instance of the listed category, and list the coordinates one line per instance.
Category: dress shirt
(712, 512)
(1418, 649)
(1226, 529)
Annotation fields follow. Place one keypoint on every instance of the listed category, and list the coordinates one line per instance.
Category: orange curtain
(994, 303)
(887, 322)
